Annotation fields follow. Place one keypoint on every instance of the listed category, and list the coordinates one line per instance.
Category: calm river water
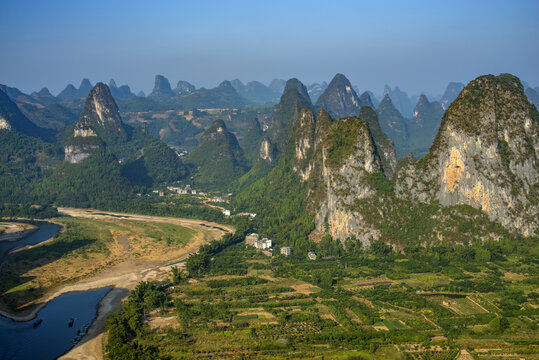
(52, 337)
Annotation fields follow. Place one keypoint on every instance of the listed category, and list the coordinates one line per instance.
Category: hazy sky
(418, 45)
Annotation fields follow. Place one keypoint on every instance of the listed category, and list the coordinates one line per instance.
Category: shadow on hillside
(20, 262)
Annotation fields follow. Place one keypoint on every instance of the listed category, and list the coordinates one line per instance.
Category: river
(46, 231)
(52, 337)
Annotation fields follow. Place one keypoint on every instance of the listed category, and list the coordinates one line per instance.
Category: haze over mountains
(410, 121)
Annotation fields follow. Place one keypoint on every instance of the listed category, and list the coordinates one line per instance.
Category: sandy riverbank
(124, 276)
(15, 231)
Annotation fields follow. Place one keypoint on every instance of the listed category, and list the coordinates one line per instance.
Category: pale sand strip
(124, 276)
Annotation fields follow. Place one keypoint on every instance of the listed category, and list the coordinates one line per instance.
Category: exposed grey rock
(484, 155)
(267, 150)
(339, 99)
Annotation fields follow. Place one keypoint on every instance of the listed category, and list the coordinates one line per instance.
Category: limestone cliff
(384, 145)
(99, 122)
(348, 157)
(295, 98)
(335, 158)
(267, 150)
(484, 155)
(339, 99)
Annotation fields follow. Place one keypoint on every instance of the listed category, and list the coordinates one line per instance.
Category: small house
(285, 250)
(311, 255)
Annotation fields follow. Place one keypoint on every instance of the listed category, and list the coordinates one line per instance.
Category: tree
(498, 325)
(177, 275)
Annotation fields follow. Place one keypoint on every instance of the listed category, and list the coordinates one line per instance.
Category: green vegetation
(352, 305)
(219, 158)
(84, 248)
(342, 138)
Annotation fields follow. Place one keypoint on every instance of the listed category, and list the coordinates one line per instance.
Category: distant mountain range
(411, 122)
(328, 168)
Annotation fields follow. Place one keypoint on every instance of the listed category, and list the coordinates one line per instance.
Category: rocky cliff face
(484, 155)
(295, 98)
(384, 145)
(267, 150)
(346, 162)
(101, 115)
(335, 158)
(100, 121)
(339, 99)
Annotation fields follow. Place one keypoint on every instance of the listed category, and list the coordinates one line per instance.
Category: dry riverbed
(125, 275)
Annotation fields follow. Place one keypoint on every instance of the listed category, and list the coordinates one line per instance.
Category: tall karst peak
(238, 85)
(427, 113)
(218, 156)
(250, 142)
(161, 88)
(365, 100)
(100, 116)
(295, 98)
(69, 93)
(484, 155)
(400, 100)
(112, 84)
(85, 87)
(44, 92)
(391, 120)
(296, 87)
(339, 98)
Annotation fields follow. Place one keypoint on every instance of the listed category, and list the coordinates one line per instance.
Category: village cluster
(265, 246)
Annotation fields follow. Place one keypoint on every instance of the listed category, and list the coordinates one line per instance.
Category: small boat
(71, 321)
(37, 323)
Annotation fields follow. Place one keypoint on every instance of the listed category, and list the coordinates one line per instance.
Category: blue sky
(417, 45)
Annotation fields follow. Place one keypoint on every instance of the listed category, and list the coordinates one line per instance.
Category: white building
(226, 212)
(286, 251)
(264, 244)
(311, 255)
